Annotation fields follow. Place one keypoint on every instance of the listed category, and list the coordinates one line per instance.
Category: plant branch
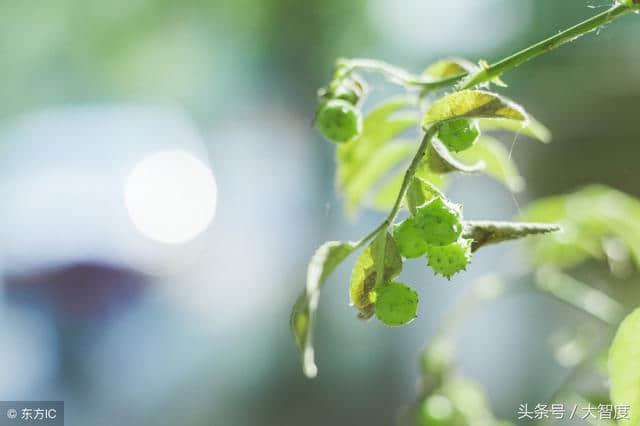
(464, 80)
(591, 24)
(394, 74)
(406, 181)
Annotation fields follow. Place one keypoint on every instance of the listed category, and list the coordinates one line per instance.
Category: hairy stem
(591, 24)
(465, 81)
(406, 181)
(381, 241)
(395, 74)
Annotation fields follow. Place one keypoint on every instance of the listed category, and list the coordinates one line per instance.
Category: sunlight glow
(171, 196)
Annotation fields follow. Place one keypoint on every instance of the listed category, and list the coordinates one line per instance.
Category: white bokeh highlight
(170, 196)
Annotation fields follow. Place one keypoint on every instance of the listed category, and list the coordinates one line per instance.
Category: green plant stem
(381, 241)
(591, 24)
(465, 81)
(406, 181)
(395, 74)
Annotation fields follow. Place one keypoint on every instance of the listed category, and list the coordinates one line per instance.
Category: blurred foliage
(163, 51)
(597, 222)
(624, 366)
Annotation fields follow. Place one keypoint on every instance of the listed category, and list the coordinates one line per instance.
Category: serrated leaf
(490, 232)
(363, 277)
(472, 104)
(379, 165)
(497, 161)
(624, 367)
(440, 160)
(322, 263)
(532, 127)
(419, 192)
(449, 67)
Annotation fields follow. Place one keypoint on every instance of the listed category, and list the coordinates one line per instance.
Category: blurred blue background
(130, 329)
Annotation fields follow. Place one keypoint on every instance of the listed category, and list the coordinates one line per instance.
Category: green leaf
(365, 161)
(624, 366)
(440, 160)
(323, 262)
(497, 161)
(379, 165)
(548, 209)
(532, 127)
(386, 196)
(419, 192)
(396, 304)
(588, 217)
(490, 232)
(379, 127)
(363, 277)
(472, 104)
(449, 67)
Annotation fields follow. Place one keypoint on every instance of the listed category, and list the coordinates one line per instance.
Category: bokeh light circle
(171, 196)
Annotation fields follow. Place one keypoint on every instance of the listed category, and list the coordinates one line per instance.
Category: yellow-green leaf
(472, 104)
(449, 67)
(532, 127)
(624, 367)
(323, 262)
(379, 127)
(363, 277)
(497, 162)
(441, 161)
(589, 217)
(379, 165)
(365, 161)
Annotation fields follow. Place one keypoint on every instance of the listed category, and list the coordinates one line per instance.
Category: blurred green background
(208, 344)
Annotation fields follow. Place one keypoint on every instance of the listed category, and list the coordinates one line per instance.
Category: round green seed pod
(339, 121)
(439, 222)
(450, 259)
(409, 239)
(396, 304)
(458, 135)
